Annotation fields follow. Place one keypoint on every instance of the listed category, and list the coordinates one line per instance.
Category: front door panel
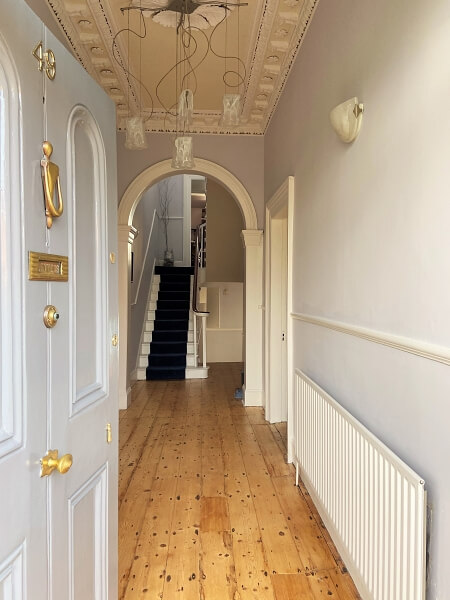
(23, 365)
(88, 539)
(83, 360)
(58, 386)
(89, 247)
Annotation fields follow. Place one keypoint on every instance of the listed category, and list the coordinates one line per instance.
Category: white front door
(59, 390)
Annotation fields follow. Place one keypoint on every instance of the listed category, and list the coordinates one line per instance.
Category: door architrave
(280, 207)
(252, 239)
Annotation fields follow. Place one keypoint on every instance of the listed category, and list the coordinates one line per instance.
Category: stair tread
(158, 343)
(165, 368)
(160, 270)
(173, 320)
(171, 330)
(168, 354)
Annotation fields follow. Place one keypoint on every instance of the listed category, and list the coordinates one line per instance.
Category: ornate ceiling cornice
(279, 28)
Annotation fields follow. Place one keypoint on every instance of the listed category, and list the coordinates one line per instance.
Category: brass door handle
(50, 462)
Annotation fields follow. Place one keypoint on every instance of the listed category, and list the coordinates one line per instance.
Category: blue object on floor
(238, 394)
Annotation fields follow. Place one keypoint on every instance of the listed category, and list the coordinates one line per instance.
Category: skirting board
(197, 372)
(252, 397)
(124, 399)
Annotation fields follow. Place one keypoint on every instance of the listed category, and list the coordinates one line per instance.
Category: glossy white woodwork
(83, 359)
(11, 298)
(87, 192)
(278, 305)
(12, 575)
(23, 337)
(39, 367)
(88, 539)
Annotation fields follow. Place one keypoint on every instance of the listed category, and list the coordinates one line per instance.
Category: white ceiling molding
(278, 30)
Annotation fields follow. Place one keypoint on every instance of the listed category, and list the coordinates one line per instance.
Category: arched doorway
(252, 239)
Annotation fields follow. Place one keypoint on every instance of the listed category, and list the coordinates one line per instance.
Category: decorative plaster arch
(253, 243)
(164, 169)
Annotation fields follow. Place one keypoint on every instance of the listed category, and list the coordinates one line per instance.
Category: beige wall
(371, 226)
(242, 156)
(224, 248)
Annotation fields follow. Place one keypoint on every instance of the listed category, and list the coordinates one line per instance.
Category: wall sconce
(346, 119)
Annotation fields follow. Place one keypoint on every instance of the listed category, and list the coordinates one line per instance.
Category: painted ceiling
(137, 69)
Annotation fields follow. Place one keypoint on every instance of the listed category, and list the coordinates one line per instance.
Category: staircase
(169, 340)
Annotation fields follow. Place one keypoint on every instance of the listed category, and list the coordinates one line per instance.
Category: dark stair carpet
(168, 348)
(172, 324)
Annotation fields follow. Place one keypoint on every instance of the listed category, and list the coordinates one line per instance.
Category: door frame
(279, 208)
(252, 238)
(187, 216)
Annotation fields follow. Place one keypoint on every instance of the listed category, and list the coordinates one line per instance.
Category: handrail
(197, 262)
(144, 262)
(198, 313)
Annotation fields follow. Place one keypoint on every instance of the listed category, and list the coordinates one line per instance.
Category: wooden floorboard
(208, 505)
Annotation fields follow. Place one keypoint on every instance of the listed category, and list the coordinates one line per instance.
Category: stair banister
(198, 313)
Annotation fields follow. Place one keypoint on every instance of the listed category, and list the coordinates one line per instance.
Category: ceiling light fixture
(191, 19)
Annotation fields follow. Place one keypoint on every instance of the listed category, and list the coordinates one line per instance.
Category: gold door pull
(51, 184)
(50, 462)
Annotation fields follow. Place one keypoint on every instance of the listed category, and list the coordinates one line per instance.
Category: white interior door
(276, 406)
(284, 317)
(65, 544)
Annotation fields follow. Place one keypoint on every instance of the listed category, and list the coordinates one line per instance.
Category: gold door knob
(50, 462)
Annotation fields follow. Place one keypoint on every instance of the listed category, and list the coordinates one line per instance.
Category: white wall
(371, 243)
(224, 331)
(146, 249)
(175, 190)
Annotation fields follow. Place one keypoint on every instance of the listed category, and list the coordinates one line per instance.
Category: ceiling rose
(201, 14)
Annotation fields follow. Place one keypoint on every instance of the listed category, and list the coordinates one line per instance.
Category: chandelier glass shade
(183, 157)
(135, 134)
(186, 108)
(231, 110)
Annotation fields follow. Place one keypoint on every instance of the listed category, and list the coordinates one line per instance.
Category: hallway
(208, 509)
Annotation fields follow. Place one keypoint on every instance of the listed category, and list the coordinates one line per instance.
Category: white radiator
(372, 503)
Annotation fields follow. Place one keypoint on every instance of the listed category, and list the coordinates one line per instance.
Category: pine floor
(208, 506)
